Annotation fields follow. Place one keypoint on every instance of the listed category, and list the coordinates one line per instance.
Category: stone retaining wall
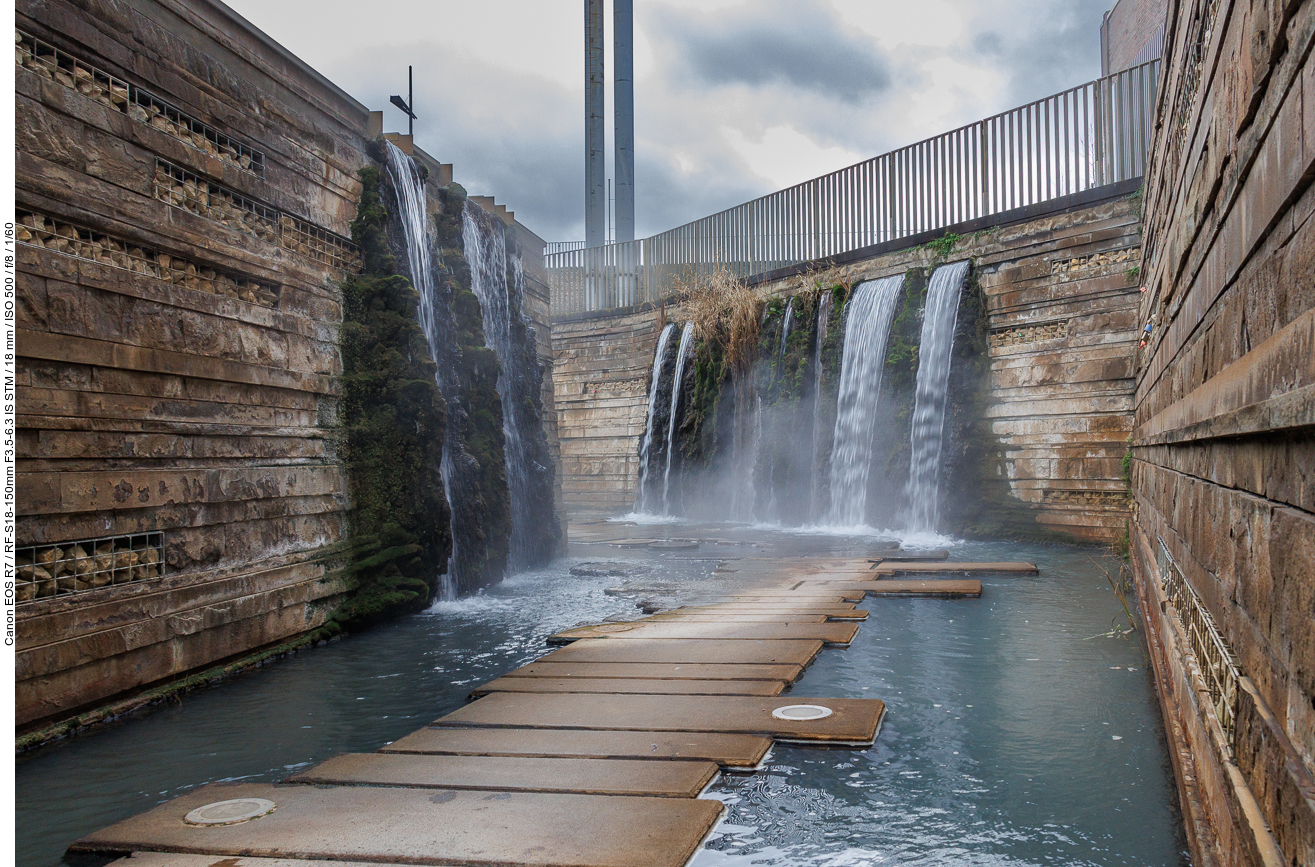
(186, 187)
(1061, 291)
(1223, 450)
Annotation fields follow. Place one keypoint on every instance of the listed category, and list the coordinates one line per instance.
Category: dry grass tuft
(725, 310)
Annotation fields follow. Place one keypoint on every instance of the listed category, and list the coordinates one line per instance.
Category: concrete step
(734, 751)
(733, 617)
(941, 589)
(952, 568)
(808, 595)
(768, 652)
(671, 779)
(830, 633)
(841, 611)
(852, 721)
(637, 670)
(415, 826)
(619, 686)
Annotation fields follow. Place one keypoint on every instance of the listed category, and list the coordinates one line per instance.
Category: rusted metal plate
(948, 589)
(673, 779)
(786, 652)
(642, 686)
(633, 670)
(735, 751)
(949, 568)
(830, 633)
(417, 826)
(852, 721)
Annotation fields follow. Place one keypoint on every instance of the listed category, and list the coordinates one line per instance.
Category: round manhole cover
(229, 812)
(801, 712)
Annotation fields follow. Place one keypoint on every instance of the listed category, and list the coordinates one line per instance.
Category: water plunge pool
(1013, 736)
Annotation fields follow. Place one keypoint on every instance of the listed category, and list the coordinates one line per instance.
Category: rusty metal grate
(1214, 659)
(87, 564)
(60, 236)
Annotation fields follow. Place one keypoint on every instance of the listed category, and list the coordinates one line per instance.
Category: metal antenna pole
(410, 100)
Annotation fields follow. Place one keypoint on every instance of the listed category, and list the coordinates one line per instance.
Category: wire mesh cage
(60, 236)
(52, 64)
(155, 112)
(87, 564)
(203, 197)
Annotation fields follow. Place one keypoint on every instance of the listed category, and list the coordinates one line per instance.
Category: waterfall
(646, 446)
(686, 338)
(867, 326)
(815, 475)
(785, 334)
(940, 315)
(409, 188)
(484, 243)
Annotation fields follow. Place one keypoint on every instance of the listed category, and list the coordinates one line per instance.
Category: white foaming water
(647, 444)
(785, 333)
(686, 338)
(939, 318)
(867, 327)
(644, 518)
(823, 316)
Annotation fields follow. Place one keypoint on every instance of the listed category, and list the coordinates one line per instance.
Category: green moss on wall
(393, 422)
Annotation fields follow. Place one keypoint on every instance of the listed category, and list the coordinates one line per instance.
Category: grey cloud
(797, 44)
(1047, 47)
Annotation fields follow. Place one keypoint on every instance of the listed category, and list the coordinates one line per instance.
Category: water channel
(1015, 734)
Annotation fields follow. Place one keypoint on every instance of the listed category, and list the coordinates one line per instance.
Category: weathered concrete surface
(627, 686)
(728, 750)
(766, 652)
(424, 827)
(1223, 452)
(671, 779)
(955, 569)
(829, 633)
(853, 721)
(942, 589)
(633, 670)
(784, 618)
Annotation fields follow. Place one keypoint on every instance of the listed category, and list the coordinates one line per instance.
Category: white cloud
(732, 99)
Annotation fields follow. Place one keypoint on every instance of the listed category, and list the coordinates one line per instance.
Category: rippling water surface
(1013, 735)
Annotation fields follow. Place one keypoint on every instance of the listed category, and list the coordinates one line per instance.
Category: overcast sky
(732, 99)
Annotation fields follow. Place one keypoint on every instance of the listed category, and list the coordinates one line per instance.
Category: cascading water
(940, 315)
(785, 335)
(815, 476)
(499, 293)
(409, 189)
(686, 338)
(646, 446)
(867, 326)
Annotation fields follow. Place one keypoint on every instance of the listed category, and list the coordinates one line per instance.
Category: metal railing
(1084, 138)
(1214, 659)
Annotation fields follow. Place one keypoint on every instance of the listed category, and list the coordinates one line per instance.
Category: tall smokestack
(623, 103)
(595, 167)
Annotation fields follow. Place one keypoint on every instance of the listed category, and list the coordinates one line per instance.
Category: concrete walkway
(593, 756)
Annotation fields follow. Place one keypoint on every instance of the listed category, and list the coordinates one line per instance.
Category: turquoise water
(1013, 736)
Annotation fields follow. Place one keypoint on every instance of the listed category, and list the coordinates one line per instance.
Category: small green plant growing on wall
(1133, 274)
(1123, 624)
(943, 246)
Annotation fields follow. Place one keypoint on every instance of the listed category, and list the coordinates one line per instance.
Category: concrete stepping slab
(175, 859)
(949, 568)
(840, 611)
(642, 686)
(814, 595)
(672, 779)
(733, 751)
(905, 556)
(735, 617)
(944, 589)
(851, 721)
(658, 671)
(830, 633)
(766, 652)
(418, 826)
